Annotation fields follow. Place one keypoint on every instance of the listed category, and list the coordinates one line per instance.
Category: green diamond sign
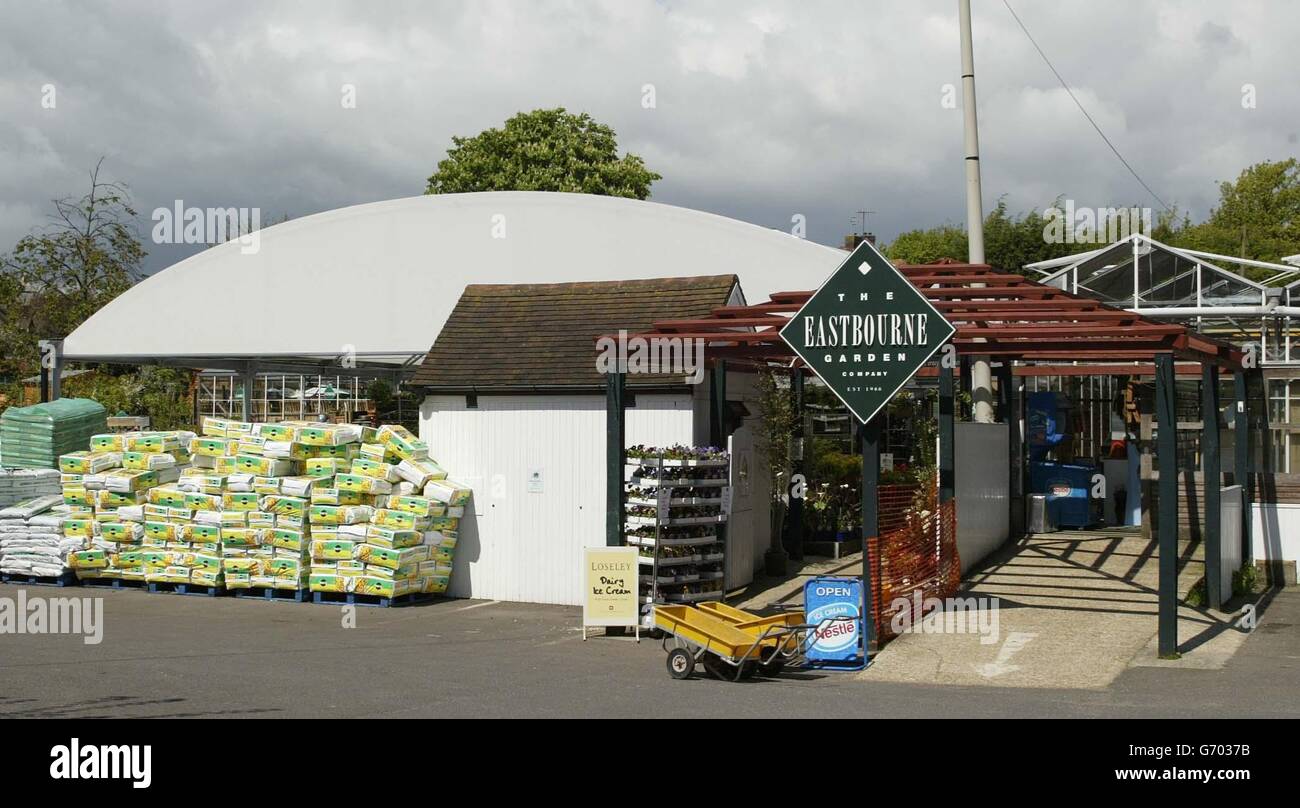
(866, 331)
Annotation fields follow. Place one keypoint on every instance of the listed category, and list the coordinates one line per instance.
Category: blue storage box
(1068, 487)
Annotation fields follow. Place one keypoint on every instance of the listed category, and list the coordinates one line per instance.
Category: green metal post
(947, 472)
(718, 405)
(794, 520)
(718, 432)
(1213, 476)
(1167, 455)
(870, 436)
(1007, 414)
(1241, 459)
(248, 385)
(615, 434)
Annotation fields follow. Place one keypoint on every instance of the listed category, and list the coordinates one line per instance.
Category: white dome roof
(379, 280)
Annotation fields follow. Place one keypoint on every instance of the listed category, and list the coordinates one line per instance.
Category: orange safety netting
(915, 556)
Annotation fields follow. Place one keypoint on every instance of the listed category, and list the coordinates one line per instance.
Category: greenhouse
(1249, 303)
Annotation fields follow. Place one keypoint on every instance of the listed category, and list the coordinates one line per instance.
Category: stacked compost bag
(264, 497)
(383, 518)
(114, 511)
(20, 485)
(31, 538)
(297, 505)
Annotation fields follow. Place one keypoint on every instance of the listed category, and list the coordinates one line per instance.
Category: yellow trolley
(730, 643)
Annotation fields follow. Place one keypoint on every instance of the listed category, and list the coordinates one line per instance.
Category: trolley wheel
(680, 663)
(719, 669)
(773, 663)
(748, 669)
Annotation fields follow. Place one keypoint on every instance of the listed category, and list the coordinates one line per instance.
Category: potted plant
(846, 512)
(820, 515)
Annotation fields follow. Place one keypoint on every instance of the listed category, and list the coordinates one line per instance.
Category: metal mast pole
(981, 382)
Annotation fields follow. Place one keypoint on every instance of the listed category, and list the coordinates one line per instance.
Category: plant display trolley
(677, 504)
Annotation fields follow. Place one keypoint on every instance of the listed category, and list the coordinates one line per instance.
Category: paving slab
(1071, 609)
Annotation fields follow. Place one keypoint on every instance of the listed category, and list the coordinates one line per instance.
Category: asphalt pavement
(165, 655)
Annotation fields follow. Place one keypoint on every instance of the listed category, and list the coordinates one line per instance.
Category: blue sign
(836, 643)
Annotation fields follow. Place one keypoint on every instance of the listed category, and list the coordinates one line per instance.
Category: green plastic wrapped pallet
(34, 437)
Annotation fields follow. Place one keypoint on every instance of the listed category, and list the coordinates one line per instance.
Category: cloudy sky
(762, 110)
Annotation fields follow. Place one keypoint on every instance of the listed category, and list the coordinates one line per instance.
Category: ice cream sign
(834, 641)
(609, 576)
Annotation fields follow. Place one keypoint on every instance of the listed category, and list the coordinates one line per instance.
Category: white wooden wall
(520, 546)
(1230, 503)
(982, 485)
(1275, 534)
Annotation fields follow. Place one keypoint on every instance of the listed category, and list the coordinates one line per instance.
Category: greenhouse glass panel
(1108, 275)
(1222, 288)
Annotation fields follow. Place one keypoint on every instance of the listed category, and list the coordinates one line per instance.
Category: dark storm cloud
(763, 111)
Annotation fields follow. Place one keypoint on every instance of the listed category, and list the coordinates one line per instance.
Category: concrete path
(1064, 610)
(769, 594)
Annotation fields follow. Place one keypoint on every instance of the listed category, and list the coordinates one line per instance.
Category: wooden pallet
(354, 599)
(68, 578)
(113, 583)
(271, 593)
(186, 589)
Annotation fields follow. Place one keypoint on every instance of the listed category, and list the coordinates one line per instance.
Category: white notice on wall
(535, 481)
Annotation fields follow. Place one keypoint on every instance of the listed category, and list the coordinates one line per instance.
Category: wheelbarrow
(729, 643)
(773, 653)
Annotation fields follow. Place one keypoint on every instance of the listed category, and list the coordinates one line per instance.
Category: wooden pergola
(1011, 319)
(995, 313)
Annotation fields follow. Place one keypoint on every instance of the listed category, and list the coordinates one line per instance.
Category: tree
(931, 244)
(61, 274)
(1258, 215)
(58, 276)
(543, 150)
(777, 420)
(161, 393)
(1010, 241)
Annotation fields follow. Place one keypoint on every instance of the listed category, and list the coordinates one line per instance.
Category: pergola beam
(968, 293)
(1147, 369)
(1084, 330)
(674, 325)
(1016, 319)
(1005, 277)
(1014, 304)
(1018, 313)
